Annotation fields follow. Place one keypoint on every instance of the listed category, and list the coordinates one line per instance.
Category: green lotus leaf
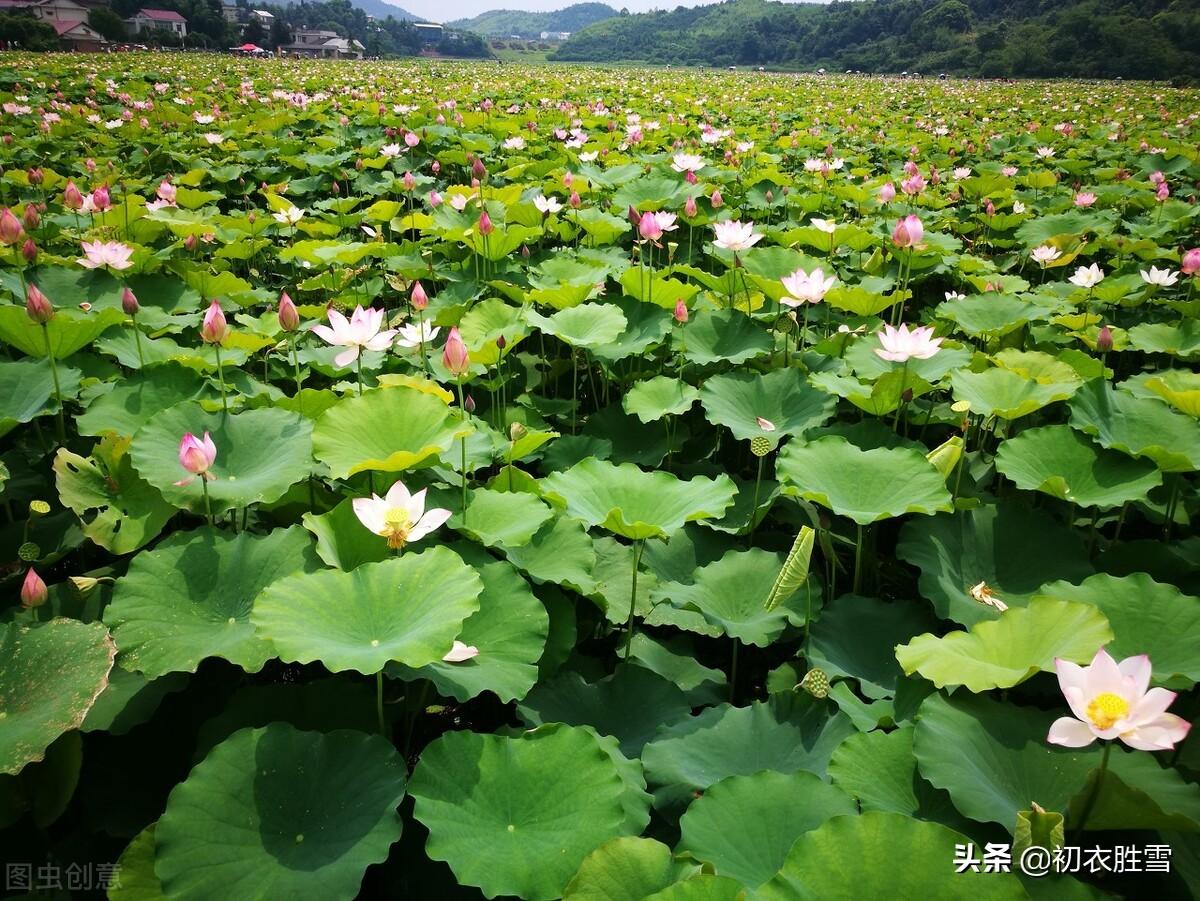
(723, 336)
(27, 389)
(626, 869)
(856, 857)
(501, 518)
(260, 454)
(782, 397)
(277, 812)
(343, 541)
(674, 659)
(1139, 793)
(517, 816)
(1006, 394)
(744, 825)
(120, 511)
(991, 314)
(587, 325)
(1147, 617)
(561, 551)
(658, 397)
(1179, 339)
(407, 609)
(630, 705)
(1004, 652)
(68, 331)
(702, 887)
(1036, 365)
(510, 629)
(866, 486)
(390, 430)
(190, 598)
(729, 594)
(786, 734)
(1059, 461)
(484, 323)
(50, 676)
(1179, 388)
(633, 503)
(138, 399)
(645, 326)
(1012, 550)
(867, 364)
(129, 700)
(1137, 426)
(138, 881)
(993, 757)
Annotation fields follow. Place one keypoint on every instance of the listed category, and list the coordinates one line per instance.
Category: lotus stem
(207, 502)
(858, 546)
(296, 369)
(463, 451)
(754, 509)
(137, 339)
(379, 703)
(1094, 794)
(221, 379)
(900, 402)
(60, 423)
(629, 626)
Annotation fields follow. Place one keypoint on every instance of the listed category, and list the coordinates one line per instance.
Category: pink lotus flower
(648, 228)
(681, 311)
(72, 196)
(901, 345)
(460, 652)
(33, 590)
(101, 199)
(11, 230)
(398, 516)
(197, 457)
(455, 357)
(112, 254)
(419, 299)
(689, 208)
(1191, 261)
(38, 305)
(887, 193)
(1084, 199)
(214, 328)
(912, 186)
(1110, 700)
(485, 224)
(908, 232)
(804, 287)
(358, 333)
(734, 235)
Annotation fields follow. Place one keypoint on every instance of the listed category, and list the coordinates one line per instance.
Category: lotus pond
(444, 480)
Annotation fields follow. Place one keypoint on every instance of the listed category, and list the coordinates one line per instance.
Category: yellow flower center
(397, 522)
(1105, 709)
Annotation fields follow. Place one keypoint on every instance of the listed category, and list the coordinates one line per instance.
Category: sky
(449, 10)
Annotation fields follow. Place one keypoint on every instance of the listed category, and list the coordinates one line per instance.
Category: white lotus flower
(398, 516)
(358, 333)
(1163, 278)
(1087, 276)
(290, 216)
(414, 335)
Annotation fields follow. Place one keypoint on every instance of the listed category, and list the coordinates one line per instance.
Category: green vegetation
(503, 23)
(1156, 39)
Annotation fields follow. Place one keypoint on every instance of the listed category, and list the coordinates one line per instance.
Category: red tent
(250, 48)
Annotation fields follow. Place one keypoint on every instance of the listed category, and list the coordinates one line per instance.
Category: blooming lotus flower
(1045, 253)
(516, 142)
(415, 335)
(912, 186)
(735, 236)
(460, 652)
(1045, 153)
(908, 232)
(290, 216)
(901, 345)
(1018, 207)
(33, 590)
(455, 357)
(358, 333)
(390, 151)
(398, 516)
(823, 225)
(804, 287)
(887, 193)
(687, 162)
(547, 205)
(112, 254)
(1110, 700)
(1085, 199)
(1162, 278)
(197, 457)
(961, 172)
(1087, 276)
(648, 228)
(1009, 171)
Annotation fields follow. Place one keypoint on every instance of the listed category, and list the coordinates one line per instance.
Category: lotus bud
(33, 590)
(129, 302)
(436, 167)
(455, 357)
(190, 242)
(689, 208)
(289, 317)
(908, 232)
(469, 404)
(29, 251)
(501, 343)
(419, 299)
(485, 224)
(716, 199)
(681, 311)
(525, 252)
(10, 227)
(35, 176)
(101, 199)
(37, 305)
(516, 432)
(573, 201)
(408, 181)
(634, 216)
(214, 328)
(72, 197)
(1191, 261)
(478, 170)
(887, 193)
(30, 217)
(197, 456)
(568, 179)
(1104, 340)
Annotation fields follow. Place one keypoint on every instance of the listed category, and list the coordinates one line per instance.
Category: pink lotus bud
(568, 179)
(454, 355)
(29, 250)
(681, 311)
(90, 164)
(10, 227)
(189, 243)
(649, 228)
(910, 168)
(408, 181)
(30, 217)
(525, 251)
(1191, 261)
(72, 197)
(633, 216)
(1162, 193)
(411, 139)
(436, 167)
(716, 199)
(129, 302)
(214, 328)
(573, 201)
(469, 404)
(435, 199)
(37, 305)
(1104, 340)
(990, 209)
(690, 177)
(689, 208)
(33, 590)
(8, 139)
(101, 199)
(289, 317)
(485, 224)
(420, 300)
(908, 232)
(197, 456)
(35, 176)
(501, 342)
(478, 170)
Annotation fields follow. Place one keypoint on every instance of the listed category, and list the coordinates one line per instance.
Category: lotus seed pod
(816, 683)
(760, 445)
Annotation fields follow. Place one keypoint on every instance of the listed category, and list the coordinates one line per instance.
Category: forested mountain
(508, 22)
(1156, 39)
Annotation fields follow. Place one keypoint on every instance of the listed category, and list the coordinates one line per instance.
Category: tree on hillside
(108, 23)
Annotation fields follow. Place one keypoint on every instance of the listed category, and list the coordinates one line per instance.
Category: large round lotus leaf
(660, 396)
(517, 816)
(626, 869)
(280, 813)
(342, 540)
(883, 855)
(637, 504)
(408, 609)
(129, 700)
(1139, 793)
(1137, 426)
(509, 628)
(68, 330)
(993, 314)
(630, 705)
(993, 757)
(856, 637)
(119, 510)
(1061, 462)
(731, 593)
(725, 336)
(138, 398)
(701, 887)
(137, 880)
(190, 597)
(1147, 617)
(1013, 550)
(744, 825)
(1179, 388)
(1006, 651)
(864, 485)
(50, 675)
(869, 365)
(501, 518)
(782, 397)
(1006, 394)
(587, 325)
(484, 323)
(390, 429)
(26, 386)
(1179, 339)
(785, 734)
(260, 455)
(561, 551)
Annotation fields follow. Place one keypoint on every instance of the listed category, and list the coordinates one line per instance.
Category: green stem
(754, 509)
(207, 503)
(629, 627)
(858, 545)
(379, 703)
(463, 451)
(137, 338)
(1094, 794)
(296, 368)
(900, 404)
(60, 423)
(221, 379)
(359, 372)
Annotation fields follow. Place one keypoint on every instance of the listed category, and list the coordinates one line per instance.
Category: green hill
(1155, 39)
(507, 22)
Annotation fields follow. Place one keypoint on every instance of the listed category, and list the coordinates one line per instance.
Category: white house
(554, 35)
(157, 20)
(316, 42)
(430, 32)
